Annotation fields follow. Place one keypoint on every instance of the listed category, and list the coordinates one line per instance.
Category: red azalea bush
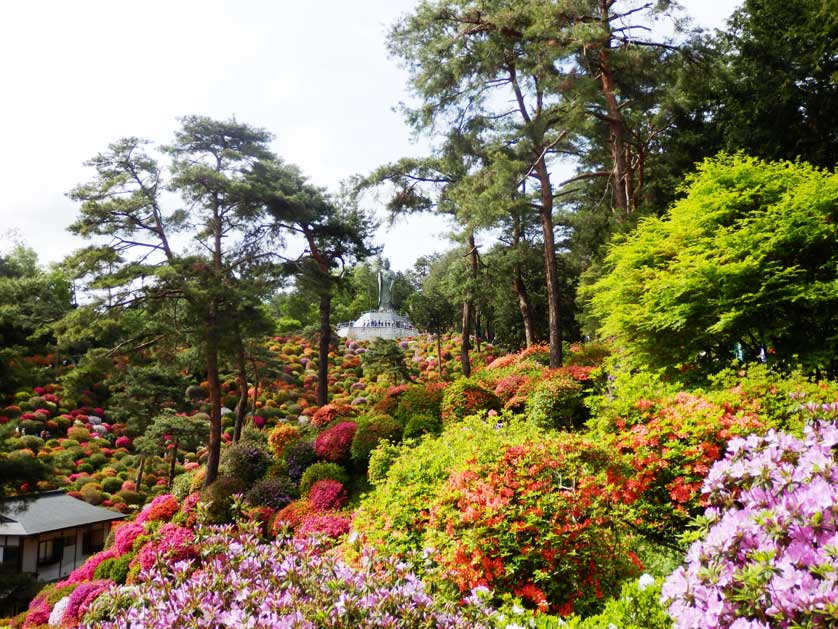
(173, 543)
(126, 535)
(82, 597)
(466, 397)
(334, 444)
(540, 521)
(672, 446)
(390, 400)
(331, 525)
(327, 495)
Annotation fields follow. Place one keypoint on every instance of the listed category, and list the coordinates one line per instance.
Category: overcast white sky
(79, 75)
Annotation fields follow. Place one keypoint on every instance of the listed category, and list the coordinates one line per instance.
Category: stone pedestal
(375, 324)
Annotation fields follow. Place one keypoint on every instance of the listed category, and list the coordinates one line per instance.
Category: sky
(79, 75)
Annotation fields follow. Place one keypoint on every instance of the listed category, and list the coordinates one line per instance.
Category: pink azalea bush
(236, 581)
(769, 557)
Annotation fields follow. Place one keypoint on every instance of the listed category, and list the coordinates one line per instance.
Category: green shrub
(245, 460)
(372, 430)
(182, 486)
(638, 607)
(111, 484)
(420, 400)
(381, 460)
(466, 397)
(32, 442)
(92, 493)
(103, 570)
(120, 567)
(322, 471)
(219, 498)
(31, 426)
(419, 425)
(557, 403)
(97, 459)
(130, 497)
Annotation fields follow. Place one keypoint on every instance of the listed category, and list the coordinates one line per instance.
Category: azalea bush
(466, 397)
(769, 553)
(236, 581)
(502, 503)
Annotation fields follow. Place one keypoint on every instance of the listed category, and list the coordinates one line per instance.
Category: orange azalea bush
(325, 415)
(505, 504)
(281, 436)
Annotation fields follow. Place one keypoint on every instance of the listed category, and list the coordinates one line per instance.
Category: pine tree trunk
(214, 449)
(620, 173)
(140, 471)
(465, 346)
(173, 462)
(524, 305)
(241, 406)
(439, 354)
(325, 341)
(550, 267)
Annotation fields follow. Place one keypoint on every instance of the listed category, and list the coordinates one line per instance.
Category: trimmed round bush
(111, 484)
(420, 400)
(322, 471)
(467, 397)
(419, 425)
(370, 432)
(557, 403)
(299, 455)
(245, 460)
(334, 444)
(327, 495)
(275, 492)
(218, 497)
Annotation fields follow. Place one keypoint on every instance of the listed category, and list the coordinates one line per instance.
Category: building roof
(49, 511)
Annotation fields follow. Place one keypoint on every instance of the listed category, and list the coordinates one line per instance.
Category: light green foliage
(370, 432)
(746, 259)
(635, 608)
(557, 403)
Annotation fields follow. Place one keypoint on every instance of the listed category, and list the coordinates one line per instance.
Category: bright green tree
(745, 264)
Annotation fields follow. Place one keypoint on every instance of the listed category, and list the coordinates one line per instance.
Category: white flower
(57, 613)
(645, 581)
(517, 610)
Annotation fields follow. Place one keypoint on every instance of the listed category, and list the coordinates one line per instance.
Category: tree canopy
(744, 265)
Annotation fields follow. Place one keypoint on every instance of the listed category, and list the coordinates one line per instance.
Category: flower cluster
(769, 557)
(326, 495)
(281, 436)
(330, 412)
(335, 443)
(161, 509)
(239, 582)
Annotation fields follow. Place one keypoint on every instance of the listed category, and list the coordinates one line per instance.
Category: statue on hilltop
(386, 279)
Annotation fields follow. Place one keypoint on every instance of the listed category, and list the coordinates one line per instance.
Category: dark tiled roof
(49, 511)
